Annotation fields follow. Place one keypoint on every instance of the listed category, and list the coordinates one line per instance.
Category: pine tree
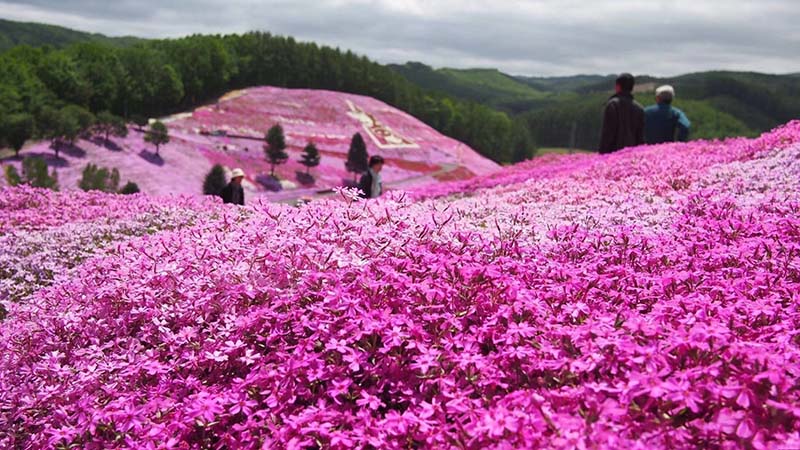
(157, 135)
(311, 157)
(34, 173)
(357, 157)
(215, 181)
(275, 149)
(99, 179)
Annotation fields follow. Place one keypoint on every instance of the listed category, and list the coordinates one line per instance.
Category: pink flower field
(218, 134)
(642, 300)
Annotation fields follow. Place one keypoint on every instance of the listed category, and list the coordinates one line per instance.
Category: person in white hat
(662, 120)
(233, 192)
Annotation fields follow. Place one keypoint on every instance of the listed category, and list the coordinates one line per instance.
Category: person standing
(371, 184)
(623, 118)
(662, 120)
(234, 193)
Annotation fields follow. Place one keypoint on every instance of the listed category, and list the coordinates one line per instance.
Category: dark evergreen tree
(357, 157)
(275, 148)
(34, 173)
(99, 179)
(215, 181)
(311, 157)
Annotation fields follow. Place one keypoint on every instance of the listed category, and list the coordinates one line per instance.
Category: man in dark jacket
(662, 120)
(233, 192)
(371, 184)
(623, 119)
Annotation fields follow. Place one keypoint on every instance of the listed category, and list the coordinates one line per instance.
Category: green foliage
(275, 149)
(16, 130)
(523, 146)
(36, 34)
(157, 134)
(99, 179)
(311, 156)
(62, 127)
(108, 124)
(34, 173)
(357, 157)
(214, 181)
(130, 188)
(12, 176)
(160, 77)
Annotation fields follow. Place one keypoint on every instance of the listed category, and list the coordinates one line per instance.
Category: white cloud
(534, 37)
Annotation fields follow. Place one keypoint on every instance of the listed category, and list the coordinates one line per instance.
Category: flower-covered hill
(648, 299)
(231, 132)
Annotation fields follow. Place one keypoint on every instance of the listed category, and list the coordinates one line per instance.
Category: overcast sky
(536, 37)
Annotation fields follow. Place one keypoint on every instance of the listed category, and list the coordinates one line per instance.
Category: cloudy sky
(531, 37)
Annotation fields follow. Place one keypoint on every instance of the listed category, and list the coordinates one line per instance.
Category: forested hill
(35, 34)
(53, 89)
(566, 111)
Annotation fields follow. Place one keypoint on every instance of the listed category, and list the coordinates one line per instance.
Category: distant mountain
(488, 86)
(36, 35)
(565, 84)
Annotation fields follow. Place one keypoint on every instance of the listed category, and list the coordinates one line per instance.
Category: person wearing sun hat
(234, 193)
(662, 120)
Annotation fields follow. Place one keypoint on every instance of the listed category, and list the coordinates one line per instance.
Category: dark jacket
(365, 184)
(661, 121)
(232, 194)
(623, 123)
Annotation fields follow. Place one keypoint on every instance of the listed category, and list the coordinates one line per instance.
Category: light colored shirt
(377, 184)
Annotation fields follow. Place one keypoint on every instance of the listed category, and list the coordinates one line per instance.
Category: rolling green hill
(37, 35)
(566, 111)
(488, 86)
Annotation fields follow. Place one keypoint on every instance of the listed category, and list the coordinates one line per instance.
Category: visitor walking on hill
(623, 118)
(234, 193)
(371, 184)
(662, 120)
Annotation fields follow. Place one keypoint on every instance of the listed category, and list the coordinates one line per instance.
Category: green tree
(12, 176)
(523, 147)
(357, 157)
(158, 134)
(34, 173)
(109, 124)
(59, 126)
(130, 188)
(99, 179)
(214, 181)
(275, 149)
(311, 157)
(18, 128)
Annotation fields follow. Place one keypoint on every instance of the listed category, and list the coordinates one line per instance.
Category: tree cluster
(52, 88)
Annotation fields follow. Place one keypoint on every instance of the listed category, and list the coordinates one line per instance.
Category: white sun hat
(665, 91)
(237, 173)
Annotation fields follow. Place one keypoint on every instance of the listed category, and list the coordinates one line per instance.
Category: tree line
(161, 77)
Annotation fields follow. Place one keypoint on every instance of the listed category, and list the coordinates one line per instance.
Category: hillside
(159, 77)
(565, 111)
(37, 34)
(415, 153)
(489, 86)
(645, 299)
